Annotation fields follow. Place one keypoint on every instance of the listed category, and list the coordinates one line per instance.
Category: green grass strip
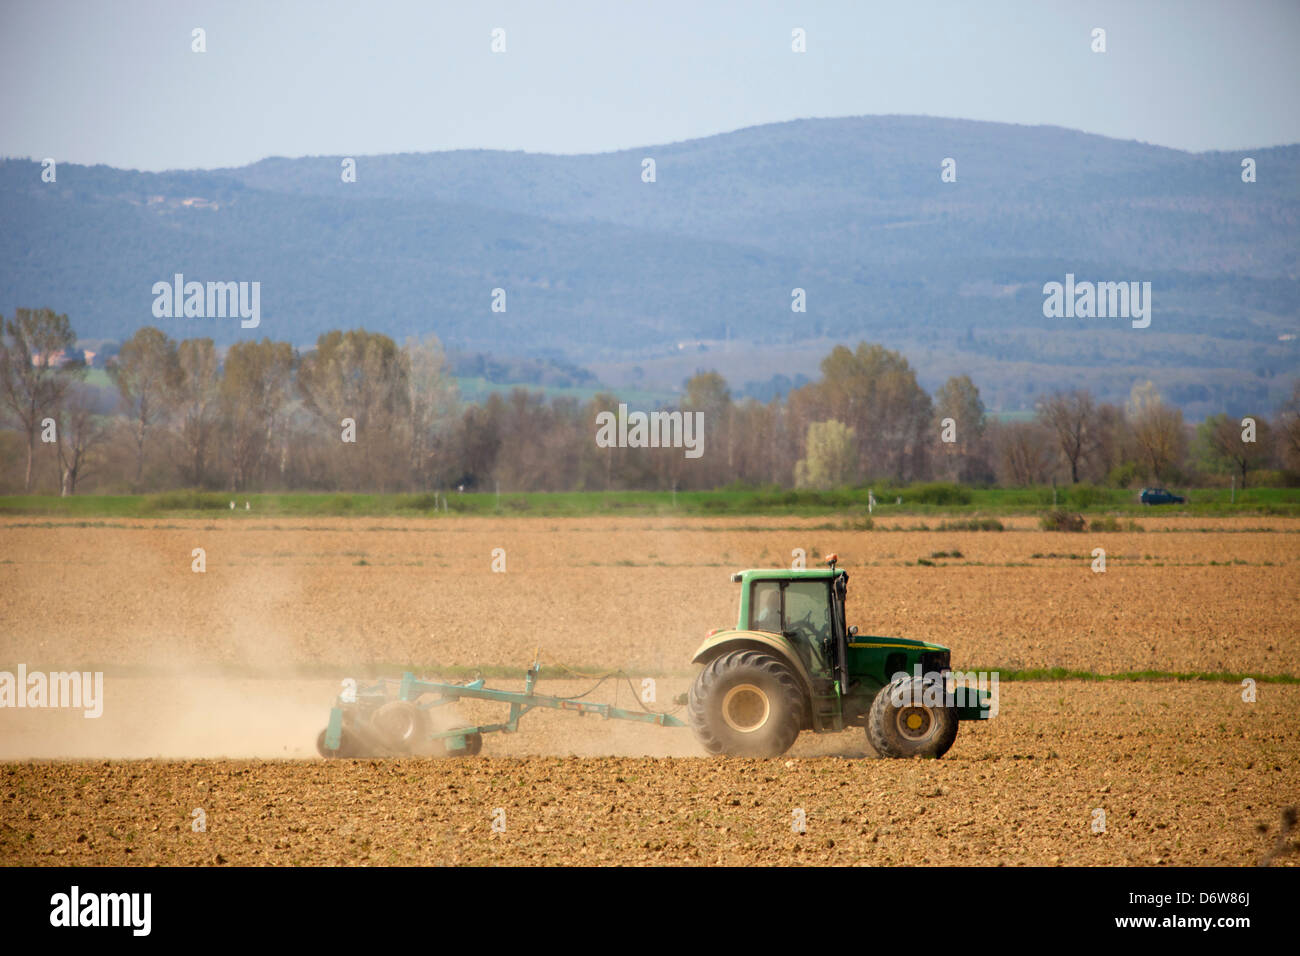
(1065, 674)
(973, 505)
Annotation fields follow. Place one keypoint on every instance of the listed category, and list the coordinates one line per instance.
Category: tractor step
(827, 712)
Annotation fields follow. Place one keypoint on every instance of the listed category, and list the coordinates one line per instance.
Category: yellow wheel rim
(915, 723)
(746, 708)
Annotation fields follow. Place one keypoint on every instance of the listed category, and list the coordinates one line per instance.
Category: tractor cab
(809, 613)
(806, 609)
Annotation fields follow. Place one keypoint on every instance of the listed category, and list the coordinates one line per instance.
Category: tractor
(790, 664)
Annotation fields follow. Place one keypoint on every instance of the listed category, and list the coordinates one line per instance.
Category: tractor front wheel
(909, 719)
(746, 704)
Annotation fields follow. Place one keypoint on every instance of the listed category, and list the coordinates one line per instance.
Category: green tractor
(791, 664)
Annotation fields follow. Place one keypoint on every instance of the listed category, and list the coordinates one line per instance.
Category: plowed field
(216, 683)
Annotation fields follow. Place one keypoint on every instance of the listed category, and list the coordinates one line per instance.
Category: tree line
(360, 412)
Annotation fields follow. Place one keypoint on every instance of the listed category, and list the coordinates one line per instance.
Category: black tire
(910, 727)
(746, 704)
(349, 746)
(473, 746)
(401, 725)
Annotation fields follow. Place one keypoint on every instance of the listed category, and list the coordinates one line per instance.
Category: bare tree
(534, 435)
(478, 440)
(431, 404)
(1158, 432)
(959, 400)
(196, 400)
(1112, 434)
(602, 468)
(1072, 417)
(81, 430)
(255, 388)
(1221, 444)
(709, 394)
(33, 381)
(361, 376)
(1289, 428)
(1024, 453)
(760, 453)
(146, 374)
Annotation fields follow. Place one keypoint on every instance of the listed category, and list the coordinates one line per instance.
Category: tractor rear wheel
(903, 723)
(746, 704)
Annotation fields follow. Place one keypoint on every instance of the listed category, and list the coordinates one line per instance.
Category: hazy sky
(117, 83)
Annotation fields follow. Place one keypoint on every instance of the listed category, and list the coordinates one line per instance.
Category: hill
(645, 282)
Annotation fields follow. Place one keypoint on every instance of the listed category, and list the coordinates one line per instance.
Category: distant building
(56, 358)
(63, 357)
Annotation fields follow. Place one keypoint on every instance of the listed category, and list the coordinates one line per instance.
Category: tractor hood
(864, 641)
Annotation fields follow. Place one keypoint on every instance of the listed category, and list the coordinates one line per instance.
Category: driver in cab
(768, 617)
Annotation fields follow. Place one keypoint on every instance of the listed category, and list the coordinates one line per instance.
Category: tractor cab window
(798, 610)
(765, 607)
(805, 608)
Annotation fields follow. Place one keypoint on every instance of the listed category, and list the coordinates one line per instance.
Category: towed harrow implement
(372, 721)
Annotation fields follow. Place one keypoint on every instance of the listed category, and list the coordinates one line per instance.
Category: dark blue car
(1158, 496)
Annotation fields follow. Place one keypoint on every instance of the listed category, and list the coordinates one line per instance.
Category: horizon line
(668, 143)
